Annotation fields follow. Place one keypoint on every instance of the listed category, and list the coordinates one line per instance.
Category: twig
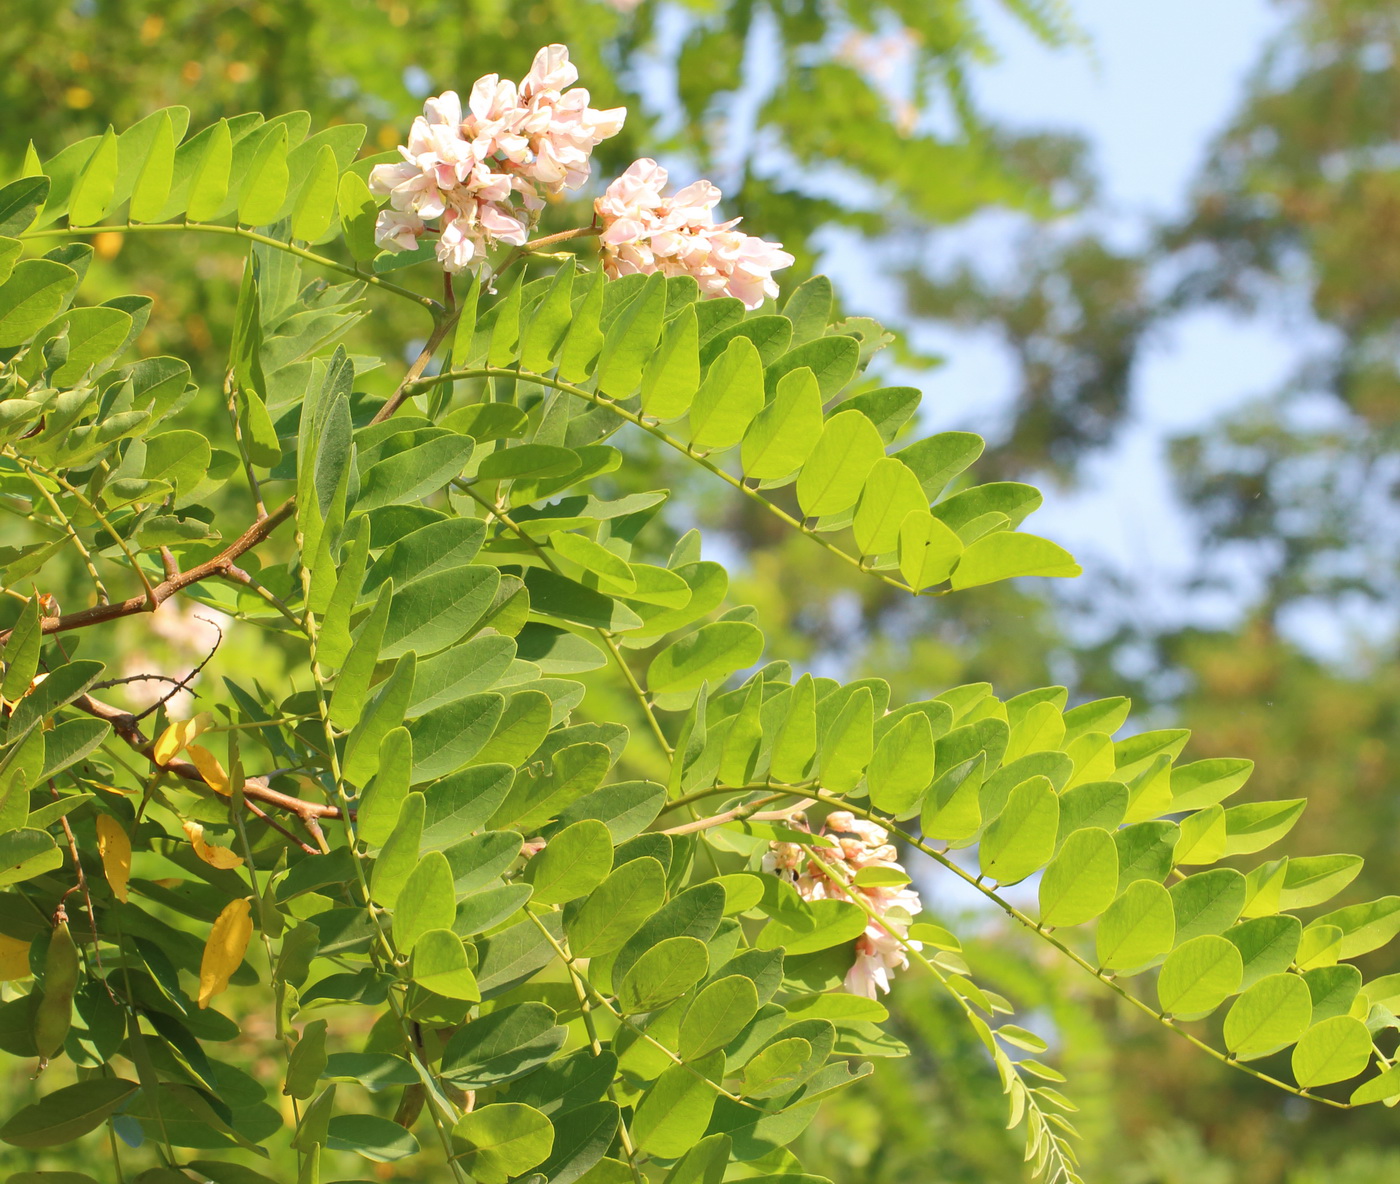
(183, 683)
(125, 726)
(239, 232)
(221, 564)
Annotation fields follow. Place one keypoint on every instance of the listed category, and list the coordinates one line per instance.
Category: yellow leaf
(14, 958)
(178, 735)
(209, 768)
(214, 856)
(223, 952)
(115, 849)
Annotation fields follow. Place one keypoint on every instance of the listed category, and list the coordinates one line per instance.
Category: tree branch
(222, 564)
(125, 726)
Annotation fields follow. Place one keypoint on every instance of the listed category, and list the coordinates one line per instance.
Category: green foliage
(446, 846)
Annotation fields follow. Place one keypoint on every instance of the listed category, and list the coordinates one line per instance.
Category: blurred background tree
(851, 130)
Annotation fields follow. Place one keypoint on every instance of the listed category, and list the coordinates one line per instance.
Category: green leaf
(784, 433)
(437, 610)
(928, 550)
(728, 399)
(847, 745)
(673, 1114)
(776, 1069)
(27, 853)
(711, 654)
(502, 1045)
(616, 909)
(1314, 879)
(1198, 976)
(358, 211)
(819, 925)
(425, 902)
(440, 965)
(1204, 783)
(1270, 1015)
(808, 307)
(573, 864)
(384, 711)
(630, 340)
(890, 495)
(1209, 902)
(1138, 928)
(21, 653)
(502, 1140)
(952, 810)
(1365, 927)
(718, 1014)
(835, 473)
(379, 1140)
(1334, 1050)
(663, 973)
(209, 186)
(1022, 838)
(413, 474)
(1082, 879)
(1256, 825)
(67, 1113)
(1378, 1089)
(581, 1137)
(352, 683)
(264, 187)
(670, 380)
(796, 742)
(902, 768)
(314, 210)
(1267, 945)
(10, 251)
(504, 327)
(20, 203)
(542, 336)
(447, 737)
(151, 188)
(611, 573)
(399, 856)
(35, 291)
(539, 795)
(307, 1061)
(92, 194)
(584, 338)
(832, 360)
(1004, 556)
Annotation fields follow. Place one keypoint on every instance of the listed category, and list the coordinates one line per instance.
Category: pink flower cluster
(646, 232)
(880, 950)
(483, 173)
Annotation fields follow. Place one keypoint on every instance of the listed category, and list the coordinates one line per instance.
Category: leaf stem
(652, 429)
(238, 232)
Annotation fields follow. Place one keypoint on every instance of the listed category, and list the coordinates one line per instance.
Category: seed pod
(54, 1015)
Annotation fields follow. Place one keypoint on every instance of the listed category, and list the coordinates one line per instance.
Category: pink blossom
(645, 231)
(884, 945)
(484, 171)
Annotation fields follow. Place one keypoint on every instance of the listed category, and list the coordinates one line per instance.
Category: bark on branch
(221, 564)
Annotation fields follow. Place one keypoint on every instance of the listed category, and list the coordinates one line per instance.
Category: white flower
(644, 231)
(884, 945)
(484, 171)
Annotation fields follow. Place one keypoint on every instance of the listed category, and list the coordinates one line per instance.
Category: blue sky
(1155, 84)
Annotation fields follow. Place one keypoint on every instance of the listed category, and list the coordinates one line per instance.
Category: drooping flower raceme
(645, 231)
(482, 174)
(881, 948)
